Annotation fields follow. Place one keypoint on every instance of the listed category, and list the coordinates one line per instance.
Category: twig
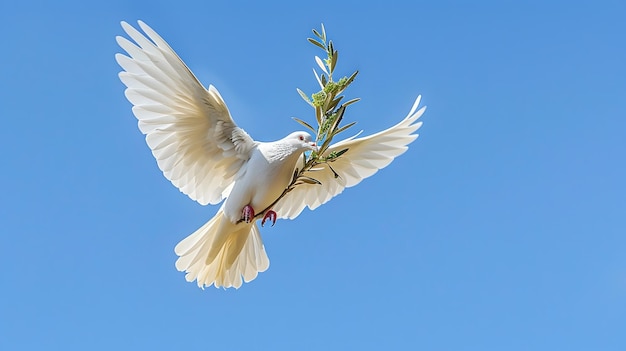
(328, 113)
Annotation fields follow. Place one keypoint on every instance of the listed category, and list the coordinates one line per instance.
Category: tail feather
(194, 241)
(221, 253)
(249, 260)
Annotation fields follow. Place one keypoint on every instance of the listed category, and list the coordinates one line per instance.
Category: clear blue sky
(502, 228)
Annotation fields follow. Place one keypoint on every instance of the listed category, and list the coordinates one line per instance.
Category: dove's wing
(364, 157)
(189, 129)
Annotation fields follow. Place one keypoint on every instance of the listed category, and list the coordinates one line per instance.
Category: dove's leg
(248, 214)
(271, 214)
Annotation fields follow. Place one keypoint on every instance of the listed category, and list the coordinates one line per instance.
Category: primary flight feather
(208, 157)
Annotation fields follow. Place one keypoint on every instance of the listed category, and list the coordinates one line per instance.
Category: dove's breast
(267, 174)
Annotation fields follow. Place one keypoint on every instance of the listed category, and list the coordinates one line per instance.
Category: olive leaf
(304, 123)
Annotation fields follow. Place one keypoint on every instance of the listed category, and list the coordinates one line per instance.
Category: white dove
(209, 158)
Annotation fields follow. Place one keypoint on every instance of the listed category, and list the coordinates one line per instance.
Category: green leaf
(349, 81)
(339, 153)
(334, 155)
(334, 173)
(345, 127)
(316, 43)
(325, 145)
(319, 81)
(350, 102)
(335, 102)
(304, 123)
(340, 113)
(321, 64)
(317, 34)
(305, 97)
(308, 180)
(323, 32)
(327, 102)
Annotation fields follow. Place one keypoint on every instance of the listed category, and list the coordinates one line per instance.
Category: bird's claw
(248, 214)
(271, 215)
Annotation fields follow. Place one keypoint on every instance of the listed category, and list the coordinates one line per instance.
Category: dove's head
(301, 140)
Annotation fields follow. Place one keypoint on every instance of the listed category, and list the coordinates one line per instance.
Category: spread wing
(364, 157)
(189, 129)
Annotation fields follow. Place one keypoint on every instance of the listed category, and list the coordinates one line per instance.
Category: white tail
(221, 253)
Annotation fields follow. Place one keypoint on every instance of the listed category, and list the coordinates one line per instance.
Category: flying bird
(201, 150)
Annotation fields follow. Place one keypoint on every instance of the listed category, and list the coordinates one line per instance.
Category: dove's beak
(313, 146)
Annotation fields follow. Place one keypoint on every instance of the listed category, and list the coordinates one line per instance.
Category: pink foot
(247, 214)
(271, 215)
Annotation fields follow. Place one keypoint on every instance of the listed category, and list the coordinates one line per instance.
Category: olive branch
(329, 112)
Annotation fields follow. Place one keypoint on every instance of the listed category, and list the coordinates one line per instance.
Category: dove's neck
(281, 152)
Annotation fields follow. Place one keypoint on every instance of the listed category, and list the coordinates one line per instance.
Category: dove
(201, 150)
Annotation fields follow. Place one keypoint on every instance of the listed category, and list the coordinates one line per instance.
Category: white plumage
(203, 153)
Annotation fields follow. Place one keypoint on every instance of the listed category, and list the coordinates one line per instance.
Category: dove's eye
(301, 137)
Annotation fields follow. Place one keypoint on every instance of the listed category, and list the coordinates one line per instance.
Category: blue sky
(502, 228)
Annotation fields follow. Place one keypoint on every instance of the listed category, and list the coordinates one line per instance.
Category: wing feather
(365, 156)
(189, 129)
